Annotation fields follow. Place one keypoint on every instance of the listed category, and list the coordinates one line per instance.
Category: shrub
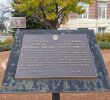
(5, 48)
(8, 41)
(104, 37)
(1, 43)
(104, 45)
(6, 44)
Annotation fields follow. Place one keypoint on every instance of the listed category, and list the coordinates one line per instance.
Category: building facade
(97, 17)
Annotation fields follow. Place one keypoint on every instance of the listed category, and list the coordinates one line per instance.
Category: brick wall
(108, 9)
(73, 16)
(93, 11)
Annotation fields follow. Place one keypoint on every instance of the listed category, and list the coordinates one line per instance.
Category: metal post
(55, 96)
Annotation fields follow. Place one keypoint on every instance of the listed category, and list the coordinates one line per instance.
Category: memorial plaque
(69, 54)
(58, 56)
(18, 22)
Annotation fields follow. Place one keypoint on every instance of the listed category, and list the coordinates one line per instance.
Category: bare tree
(3, 18)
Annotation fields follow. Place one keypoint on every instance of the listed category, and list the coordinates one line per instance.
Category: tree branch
(47, 23)
(56, 4)
(62, 10)
(61, 20)
(44, 15)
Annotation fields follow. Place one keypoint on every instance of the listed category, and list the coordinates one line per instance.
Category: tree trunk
(52, 24)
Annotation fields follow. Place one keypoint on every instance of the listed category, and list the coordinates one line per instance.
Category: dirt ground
(64, 96)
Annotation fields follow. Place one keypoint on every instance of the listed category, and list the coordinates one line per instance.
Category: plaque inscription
(59, 56)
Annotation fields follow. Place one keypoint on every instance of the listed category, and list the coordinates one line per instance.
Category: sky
(3, 3)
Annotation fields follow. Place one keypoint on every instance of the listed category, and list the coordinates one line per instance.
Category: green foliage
(31, 22)
(5, 48)
(8, 41)
(6, 44)
(49, 13)
(104, 37)
(103, 40)
(104, 45)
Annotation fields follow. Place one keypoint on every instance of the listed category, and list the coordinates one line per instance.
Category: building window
(102, 10)
(86, 7)
(101, 29)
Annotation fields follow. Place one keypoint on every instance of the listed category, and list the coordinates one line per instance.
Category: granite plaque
(58, 56)
(64, 85)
